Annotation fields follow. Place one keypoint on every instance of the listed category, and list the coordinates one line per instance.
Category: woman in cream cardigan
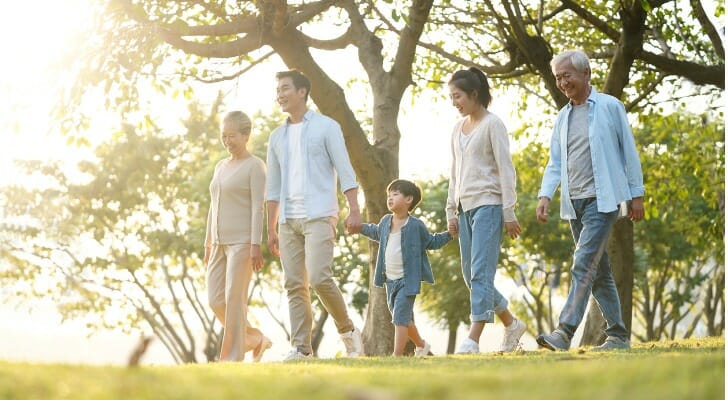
(232, 242)
(481, 197)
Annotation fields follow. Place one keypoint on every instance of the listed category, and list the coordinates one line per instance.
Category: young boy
(402, 262)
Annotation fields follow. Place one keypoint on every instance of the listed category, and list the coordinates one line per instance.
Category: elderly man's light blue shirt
(616, 165)
(324, 157)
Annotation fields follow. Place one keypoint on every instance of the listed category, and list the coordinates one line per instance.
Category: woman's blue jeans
(481, 232)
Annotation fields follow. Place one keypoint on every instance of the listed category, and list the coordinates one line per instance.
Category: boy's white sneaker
(512, 334)
(468, 346)
(352, 342)
(423, 351)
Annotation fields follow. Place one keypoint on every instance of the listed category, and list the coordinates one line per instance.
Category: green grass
(687, 369)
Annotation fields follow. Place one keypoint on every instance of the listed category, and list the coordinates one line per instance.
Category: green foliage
(118, 243)
(681, 242)
(662, 370)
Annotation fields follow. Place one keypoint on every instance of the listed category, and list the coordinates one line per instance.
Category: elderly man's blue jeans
(590, 273)
(481, 232)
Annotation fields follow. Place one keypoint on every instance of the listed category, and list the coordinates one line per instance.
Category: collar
(306, 116)
(592, 98)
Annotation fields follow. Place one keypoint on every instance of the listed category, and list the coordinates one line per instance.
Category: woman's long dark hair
(472, 80)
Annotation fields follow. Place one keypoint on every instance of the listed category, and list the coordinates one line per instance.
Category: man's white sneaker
(423, 351)
(511, 335)
(353, 344)
(296, 355)
(468, 346)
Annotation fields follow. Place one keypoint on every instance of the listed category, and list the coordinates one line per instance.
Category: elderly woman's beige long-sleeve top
(236, 203)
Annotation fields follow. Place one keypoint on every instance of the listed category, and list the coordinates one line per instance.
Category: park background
(74, 90)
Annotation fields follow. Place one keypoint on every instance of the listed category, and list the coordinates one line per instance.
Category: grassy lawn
(687, 369)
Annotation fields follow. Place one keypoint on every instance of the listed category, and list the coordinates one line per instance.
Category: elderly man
(594, 158)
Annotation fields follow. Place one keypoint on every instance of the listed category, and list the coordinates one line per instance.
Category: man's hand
(636, 209)
(273, 242)
(353, 222)
(207, 255)
(542, 210)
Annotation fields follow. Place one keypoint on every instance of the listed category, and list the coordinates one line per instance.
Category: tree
(682, 245)
(117, 242)
(138, 39)
(119, 245)
(640, 51)
(640, 48)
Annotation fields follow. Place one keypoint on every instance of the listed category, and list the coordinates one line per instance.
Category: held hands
(353, 222)
(542, 210)
(453, 227)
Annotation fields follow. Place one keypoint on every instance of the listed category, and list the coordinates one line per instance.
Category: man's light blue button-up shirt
(324, 156)
(616, 165)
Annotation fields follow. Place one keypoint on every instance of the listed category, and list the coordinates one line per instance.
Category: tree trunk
(378, 334)
(452, 335)
(318, 329)
(621, 259)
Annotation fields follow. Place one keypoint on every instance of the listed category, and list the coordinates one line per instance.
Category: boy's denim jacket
(415, 240)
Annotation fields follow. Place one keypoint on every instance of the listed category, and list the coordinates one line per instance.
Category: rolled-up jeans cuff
(501, 307)
(487, 317)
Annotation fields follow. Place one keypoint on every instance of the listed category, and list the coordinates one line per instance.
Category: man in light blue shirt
(305, 155)
(594, 159)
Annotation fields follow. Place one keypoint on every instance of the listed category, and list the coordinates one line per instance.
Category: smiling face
(465, 103)
(233, 139)
(397, 202)
(572, 82)
(290, 99)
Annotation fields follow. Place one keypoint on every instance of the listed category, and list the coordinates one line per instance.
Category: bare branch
(330, 44)
(650, 90)
(177, 308)
(228, 49)
(408, 39)
(248, 24)
(369, 45)
(698, 74)
(490, 70)
(310, 10)
(592, 19)
(708, 27)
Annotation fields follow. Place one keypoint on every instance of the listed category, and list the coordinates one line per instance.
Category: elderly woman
(232, 242)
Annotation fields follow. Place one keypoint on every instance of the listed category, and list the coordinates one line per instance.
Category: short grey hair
(240, 120)
(578, 59)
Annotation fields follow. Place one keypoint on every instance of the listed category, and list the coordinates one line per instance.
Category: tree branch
(177, 308)
(592, 19)
(408, 39)
(228, 49)
(368, 44)
(330, 44)
(698, 74)
(708, 27)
